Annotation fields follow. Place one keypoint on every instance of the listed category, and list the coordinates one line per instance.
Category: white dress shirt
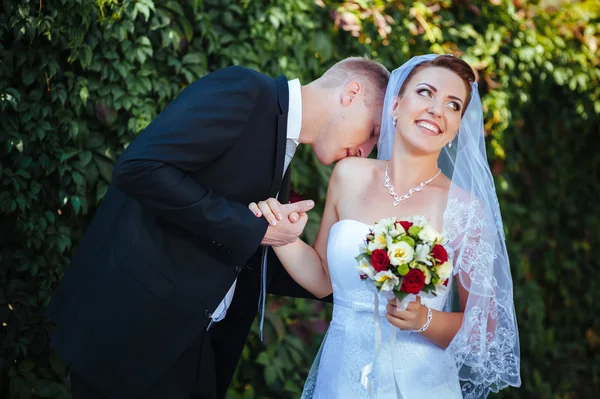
(294, 124)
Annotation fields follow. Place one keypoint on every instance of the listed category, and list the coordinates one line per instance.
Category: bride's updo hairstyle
(454, 64)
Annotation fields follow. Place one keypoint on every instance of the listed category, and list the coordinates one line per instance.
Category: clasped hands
(286, 221)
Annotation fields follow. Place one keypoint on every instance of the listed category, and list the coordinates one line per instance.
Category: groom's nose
(365, 149)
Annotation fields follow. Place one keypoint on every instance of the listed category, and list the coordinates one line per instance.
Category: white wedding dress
(423, 370)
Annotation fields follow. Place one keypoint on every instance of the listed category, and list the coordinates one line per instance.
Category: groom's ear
(352, 91)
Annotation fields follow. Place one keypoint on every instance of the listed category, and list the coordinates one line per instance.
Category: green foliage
(80, 79)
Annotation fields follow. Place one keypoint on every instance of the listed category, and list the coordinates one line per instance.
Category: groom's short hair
(373, 76)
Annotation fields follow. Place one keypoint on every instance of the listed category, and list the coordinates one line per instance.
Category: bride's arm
(445, 325)
(305, 264)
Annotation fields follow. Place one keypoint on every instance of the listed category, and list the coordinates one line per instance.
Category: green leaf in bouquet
(403, 269)
(429, 289)
(364, 256)
(414, 231)
(400, 295)
(409, 240)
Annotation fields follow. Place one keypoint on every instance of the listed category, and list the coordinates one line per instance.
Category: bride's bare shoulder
(355, 171)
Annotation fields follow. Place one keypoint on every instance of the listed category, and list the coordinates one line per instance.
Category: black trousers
(194, 374)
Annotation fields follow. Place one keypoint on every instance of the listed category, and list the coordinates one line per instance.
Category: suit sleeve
(195, 129)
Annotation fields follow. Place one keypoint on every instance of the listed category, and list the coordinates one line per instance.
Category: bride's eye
(455, 106)
(425, 92)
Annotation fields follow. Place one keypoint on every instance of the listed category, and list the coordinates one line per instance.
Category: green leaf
(363, 256)
(23, 173)
(193, 59)
(76, 205)
(263, 359)
(143, 9)
(85, 157)
(408, 239)
(175, 7)
(29, 75)
(101, 191)
(26, 366)
(105, 167)
(400, 295)
(84, 94)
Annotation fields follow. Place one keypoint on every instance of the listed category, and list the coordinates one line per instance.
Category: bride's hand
(273, 210)
(413, 318)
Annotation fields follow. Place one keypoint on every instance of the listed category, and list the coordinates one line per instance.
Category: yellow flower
(387, 279)
(379, 242)
(365, 269)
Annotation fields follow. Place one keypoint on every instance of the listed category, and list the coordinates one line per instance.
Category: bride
(431, 162)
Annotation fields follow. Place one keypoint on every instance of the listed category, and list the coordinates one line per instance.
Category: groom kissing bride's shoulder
(164, 287)
(431, 176)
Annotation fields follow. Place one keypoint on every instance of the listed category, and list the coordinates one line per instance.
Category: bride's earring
(450, 145)
(395, 120)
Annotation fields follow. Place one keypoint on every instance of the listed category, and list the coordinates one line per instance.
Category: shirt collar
(294, 124)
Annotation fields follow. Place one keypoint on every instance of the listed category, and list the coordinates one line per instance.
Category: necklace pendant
(398, 198)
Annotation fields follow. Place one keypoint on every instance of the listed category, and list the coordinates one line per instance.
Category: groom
(162, 292)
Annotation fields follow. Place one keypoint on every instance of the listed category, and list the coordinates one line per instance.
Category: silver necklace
(400, 198)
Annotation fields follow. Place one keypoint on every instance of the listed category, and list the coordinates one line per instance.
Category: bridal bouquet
(403, 257)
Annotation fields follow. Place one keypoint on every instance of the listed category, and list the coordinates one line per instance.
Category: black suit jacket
(172, 234)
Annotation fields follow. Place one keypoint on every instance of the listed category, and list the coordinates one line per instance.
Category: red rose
(406, 225)
(413, 282)
(439, 252)
(380, 260)
(446, 282)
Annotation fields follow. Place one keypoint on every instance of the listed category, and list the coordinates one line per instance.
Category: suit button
(207, 314)
(238, 268)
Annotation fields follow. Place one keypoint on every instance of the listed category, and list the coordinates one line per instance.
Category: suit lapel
(284, 101)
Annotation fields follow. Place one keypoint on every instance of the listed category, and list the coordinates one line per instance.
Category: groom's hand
(286, 222)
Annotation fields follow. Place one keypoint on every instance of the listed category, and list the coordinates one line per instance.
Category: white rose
(388, 280)
(421, 253)
(429, 234)
(379, 242)
(400, 253)
(365, 269)
(444, 271)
